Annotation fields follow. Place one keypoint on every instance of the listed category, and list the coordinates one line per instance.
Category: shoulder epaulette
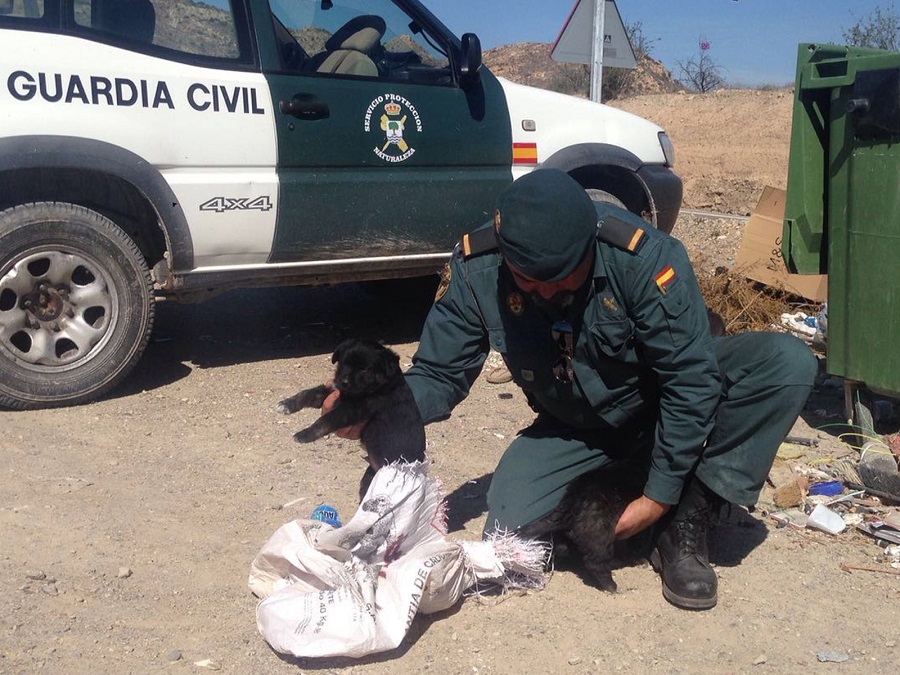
(618, 233)
(479, 241)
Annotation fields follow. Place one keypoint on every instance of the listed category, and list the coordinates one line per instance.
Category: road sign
(576, 39)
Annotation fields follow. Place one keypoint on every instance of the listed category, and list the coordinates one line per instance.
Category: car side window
(22, 9)
(204, 28)
(357, 38)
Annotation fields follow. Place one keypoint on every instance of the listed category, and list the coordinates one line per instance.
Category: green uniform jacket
(642, 340)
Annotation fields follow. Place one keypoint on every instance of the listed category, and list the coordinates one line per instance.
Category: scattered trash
(326, 514)
(878, 530)
(845, 497)
(852, 519)
(788, 489)
(800, 440)
(788, 451)
(847, 567)
(209, 664)
(894, 444)
(892, 520)
(355, 590)
(823, 518)
(828, 489)
(878, 468)
(851, 491)
(821, 335)
(801, 324)
(792, 517)
(892, 554)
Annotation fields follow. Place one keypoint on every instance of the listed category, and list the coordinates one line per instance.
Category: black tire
(604, 197)
(76, 305)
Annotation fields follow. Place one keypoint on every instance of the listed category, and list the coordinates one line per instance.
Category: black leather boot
(681, 556)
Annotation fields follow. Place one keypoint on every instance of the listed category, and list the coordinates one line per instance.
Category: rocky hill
(530, 63)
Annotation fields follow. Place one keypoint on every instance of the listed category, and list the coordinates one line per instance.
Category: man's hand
(350, 433)
(638, 515)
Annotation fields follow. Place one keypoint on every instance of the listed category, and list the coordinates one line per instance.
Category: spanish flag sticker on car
(664, 278)
(524, 153)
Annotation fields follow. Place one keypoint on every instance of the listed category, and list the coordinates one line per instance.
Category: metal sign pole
(597, 49)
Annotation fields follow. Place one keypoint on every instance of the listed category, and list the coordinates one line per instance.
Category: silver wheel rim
(56, 310)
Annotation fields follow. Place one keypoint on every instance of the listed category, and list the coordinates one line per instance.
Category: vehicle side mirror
(470, 60)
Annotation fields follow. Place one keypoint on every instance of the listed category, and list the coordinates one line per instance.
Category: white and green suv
(174, 148)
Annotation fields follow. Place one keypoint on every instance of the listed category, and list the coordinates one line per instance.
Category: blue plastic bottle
(327, 514)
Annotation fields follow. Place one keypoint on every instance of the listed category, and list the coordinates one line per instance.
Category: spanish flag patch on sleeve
(664, 278)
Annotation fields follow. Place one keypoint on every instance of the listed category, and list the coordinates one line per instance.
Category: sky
(754, 42)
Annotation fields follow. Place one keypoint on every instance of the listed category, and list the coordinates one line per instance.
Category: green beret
(545, 224)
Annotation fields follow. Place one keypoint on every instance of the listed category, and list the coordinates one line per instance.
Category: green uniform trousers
(766, 380)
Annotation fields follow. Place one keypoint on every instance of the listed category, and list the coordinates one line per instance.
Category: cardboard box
(759, 255)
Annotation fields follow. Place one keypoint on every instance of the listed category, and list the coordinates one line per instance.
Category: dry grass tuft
(746, 305)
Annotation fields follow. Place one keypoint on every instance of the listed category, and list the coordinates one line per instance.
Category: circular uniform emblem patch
(515, 303)
(392, 121)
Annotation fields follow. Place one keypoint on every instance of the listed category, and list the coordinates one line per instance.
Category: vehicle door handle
(304, 107)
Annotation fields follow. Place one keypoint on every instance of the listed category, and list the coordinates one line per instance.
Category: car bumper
(665, 190)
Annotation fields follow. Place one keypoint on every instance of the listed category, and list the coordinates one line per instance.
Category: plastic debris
(791, 517)
(355, 590)
(209, 664)
(823, 518)
(878, 530)
(326, 514)
(821, 335)
(799, 323)
(829, 489)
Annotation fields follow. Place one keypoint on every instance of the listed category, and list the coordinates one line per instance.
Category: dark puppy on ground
(372, 390)
(585, 520)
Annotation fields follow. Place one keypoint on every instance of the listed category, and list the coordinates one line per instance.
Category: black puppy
(586, 520)
(716, 323)
(374, 391)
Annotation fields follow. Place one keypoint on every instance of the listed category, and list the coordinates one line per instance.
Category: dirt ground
(127, 526)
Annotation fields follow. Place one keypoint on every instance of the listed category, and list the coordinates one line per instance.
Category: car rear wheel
(76, 305)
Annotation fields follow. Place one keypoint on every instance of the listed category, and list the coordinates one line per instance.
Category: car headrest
(360, 33)
(134, 19)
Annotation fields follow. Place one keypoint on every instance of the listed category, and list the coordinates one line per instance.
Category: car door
(380, 151)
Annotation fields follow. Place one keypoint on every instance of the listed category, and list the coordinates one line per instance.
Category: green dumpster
(842, 209)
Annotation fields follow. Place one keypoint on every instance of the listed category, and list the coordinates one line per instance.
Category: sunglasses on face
(561, 332)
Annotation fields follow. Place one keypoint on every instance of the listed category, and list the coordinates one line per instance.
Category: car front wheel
(604, 197)
(76, 305)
